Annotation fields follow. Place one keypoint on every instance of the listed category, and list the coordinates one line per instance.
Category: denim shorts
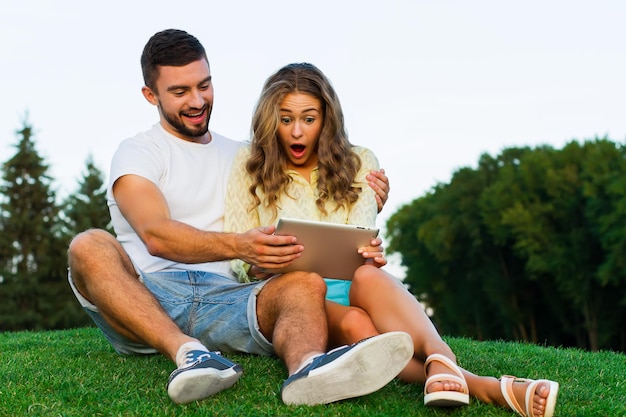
(217, 310)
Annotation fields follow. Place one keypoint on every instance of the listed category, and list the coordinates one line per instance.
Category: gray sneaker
(203, 374)
(349, 371)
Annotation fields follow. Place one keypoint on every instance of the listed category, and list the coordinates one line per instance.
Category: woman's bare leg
(392, 308)
(347, 324)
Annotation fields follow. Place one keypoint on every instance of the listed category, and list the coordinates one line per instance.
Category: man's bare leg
(291, 314)
(103, 273)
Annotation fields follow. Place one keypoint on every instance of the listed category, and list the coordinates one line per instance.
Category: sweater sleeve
(364, 211)
(238, 215)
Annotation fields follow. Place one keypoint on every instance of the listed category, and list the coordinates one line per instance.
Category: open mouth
(195, 117)
(297, 150)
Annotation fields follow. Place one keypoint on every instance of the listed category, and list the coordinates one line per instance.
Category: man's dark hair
(170, 47)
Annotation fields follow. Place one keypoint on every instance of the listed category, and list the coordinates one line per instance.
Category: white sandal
(506, 386)
(445, 398)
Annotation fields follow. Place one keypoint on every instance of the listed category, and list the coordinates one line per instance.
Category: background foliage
(34, 234)
(529, 245)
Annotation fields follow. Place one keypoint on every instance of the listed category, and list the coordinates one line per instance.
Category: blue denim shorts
(217, 310)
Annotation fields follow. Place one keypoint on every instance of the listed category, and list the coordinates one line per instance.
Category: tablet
(330, 249)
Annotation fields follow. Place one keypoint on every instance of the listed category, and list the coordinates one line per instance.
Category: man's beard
(178, 124)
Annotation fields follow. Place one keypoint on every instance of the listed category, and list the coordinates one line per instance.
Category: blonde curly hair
(338, 164)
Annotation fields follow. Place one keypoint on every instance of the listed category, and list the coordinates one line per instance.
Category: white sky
(427, 85)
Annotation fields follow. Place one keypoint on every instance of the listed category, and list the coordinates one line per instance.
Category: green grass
(76, 373)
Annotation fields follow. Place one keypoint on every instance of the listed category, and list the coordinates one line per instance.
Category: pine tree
(87, 207)
(33, 289)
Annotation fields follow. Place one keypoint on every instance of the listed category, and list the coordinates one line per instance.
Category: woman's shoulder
(368, 158)
(243, 153)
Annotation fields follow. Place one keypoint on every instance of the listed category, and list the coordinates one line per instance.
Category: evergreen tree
(34, 290)
(87, 207)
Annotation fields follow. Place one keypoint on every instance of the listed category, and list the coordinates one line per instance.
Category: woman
(301, 164)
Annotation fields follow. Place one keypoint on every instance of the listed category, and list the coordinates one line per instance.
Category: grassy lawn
(76, 373)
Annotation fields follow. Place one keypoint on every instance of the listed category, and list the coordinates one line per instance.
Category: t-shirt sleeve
(137, 157)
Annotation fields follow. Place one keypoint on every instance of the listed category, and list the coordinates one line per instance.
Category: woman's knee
(357, 324)
(367, 274)
(368, 279)
(354, 317)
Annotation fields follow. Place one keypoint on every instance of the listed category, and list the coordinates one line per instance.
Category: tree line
(35, 231)
(530, 245)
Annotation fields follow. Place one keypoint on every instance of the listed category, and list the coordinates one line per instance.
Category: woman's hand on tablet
(374, 254)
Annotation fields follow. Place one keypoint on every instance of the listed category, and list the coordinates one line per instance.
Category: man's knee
(300, 281)
(295, 288)
(306, 282)
(88, 250)
(86, 241)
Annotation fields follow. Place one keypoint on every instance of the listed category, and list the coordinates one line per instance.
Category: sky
(427, 85)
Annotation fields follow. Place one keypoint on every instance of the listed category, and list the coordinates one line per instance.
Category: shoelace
(190, 360)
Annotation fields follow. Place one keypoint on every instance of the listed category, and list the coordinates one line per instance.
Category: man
(165, 284)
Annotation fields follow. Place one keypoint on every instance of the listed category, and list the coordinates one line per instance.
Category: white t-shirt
(193, 178)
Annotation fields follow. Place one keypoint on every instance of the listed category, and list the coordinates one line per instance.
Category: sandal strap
(445, 377)
(456, 376)
(438, 357)
(506, 386)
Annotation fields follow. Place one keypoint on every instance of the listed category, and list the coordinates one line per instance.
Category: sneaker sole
(366, 368)
(197, 384)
